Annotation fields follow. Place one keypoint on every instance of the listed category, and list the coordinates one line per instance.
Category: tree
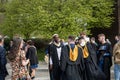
(72, 16)
(23, 17)
(46, 17)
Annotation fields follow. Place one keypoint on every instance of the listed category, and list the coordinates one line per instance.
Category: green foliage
(65, 17)
(41, 54)
(23, 17)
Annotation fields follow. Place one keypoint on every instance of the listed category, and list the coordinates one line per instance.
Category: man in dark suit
(3, 61)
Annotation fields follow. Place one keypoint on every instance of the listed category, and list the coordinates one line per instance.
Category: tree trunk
(119, 15)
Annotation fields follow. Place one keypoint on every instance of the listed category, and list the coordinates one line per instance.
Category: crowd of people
(83, 58)
(80, 58)
(22, 57)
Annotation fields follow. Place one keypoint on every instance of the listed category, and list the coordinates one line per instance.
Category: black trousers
(51, 75)
(55, 74)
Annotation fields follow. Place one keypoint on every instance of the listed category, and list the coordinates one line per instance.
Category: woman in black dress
(32, 55)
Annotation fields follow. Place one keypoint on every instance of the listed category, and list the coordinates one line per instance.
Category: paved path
(42, 72)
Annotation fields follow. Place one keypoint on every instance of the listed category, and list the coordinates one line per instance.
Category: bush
(41, 54)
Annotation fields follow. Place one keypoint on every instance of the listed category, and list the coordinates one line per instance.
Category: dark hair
(14, 49)
(71, 37)
(30, 42)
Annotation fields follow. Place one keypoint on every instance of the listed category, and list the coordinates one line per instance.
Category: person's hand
(25, 62)
(46, 59)
(28, 60)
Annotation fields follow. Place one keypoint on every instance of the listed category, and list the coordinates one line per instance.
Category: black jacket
(3, 62)
(32, 55)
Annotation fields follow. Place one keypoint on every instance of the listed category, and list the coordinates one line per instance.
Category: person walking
(116, 55)
(104, 55)
(32, 56)
(3, 61)
(18, 61)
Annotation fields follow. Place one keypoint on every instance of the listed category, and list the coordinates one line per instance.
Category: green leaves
(65, 17)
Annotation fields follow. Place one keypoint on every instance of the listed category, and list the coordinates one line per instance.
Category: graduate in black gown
(92, 71)
(104, 56)
(54, 55)
(93, 43)
(72, 63)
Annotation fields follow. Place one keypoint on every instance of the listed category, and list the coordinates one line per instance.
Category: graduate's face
(92, 40)
(101, 38)
(82, 42)
(57, 39)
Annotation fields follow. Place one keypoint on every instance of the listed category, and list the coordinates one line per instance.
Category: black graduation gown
(93, 72)
(95, 47)
(72, 70)
(107, 60)
(56, 71)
